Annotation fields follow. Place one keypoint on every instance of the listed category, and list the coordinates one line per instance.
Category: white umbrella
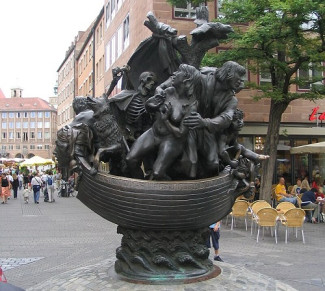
(313, 148)
(36, 161)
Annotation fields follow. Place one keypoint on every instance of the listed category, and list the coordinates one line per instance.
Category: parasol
(36, 161)
(314, 148)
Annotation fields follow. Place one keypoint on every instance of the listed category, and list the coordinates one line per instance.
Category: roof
(2, 95)
(24, 104)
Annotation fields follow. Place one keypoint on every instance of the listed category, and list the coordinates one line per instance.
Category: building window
(17, 146)
(32, 147)
(311, 77)
(47, 114)
(32, 134)
(39, 114)
(4, 114)
(11, 115)
(32, 124)
(108, 56)
(18, 124)
(126, 32)
(4, 135)
(32, 114)
(25, 124)
(39, 134)
(265, 77)
(108, 13)
(4, 125)
(90, 51)
(220, 13)
(46, 135)
(39, 124)
(113, 49)
(11, 147)
(18, 135)
(120, 40)
(39, 147)
(11, 125)
(11, 135)
(47, 124)
(185, 11)
(25, 136)
(112, 9)
(18, 114)
(46, 147)
(25, 114)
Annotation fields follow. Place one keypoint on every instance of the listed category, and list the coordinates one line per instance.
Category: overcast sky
(35, 34)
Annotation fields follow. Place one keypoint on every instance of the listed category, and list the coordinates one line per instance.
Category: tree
(283, 37)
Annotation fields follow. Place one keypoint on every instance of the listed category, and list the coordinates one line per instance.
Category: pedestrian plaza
(62, 245)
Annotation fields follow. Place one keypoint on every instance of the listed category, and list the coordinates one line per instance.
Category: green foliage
(24, 170)
(284, 36)
(183, 3)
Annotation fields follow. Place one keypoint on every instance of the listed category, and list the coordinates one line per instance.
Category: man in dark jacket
(308, 201)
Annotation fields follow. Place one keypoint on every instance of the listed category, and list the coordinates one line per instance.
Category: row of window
(66, 92)
(99, 72)
(306, 76)
(31, 124)
(32, 114)
(24, 135)
(68, 67)
(32, 147)
(65, 115)
(188, 10)
(85, 59)
(112, 7)
(99, 33)
(118, 43)
(86, 87)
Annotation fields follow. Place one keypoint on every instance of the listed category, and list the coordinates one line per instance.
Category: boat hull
(172, 205)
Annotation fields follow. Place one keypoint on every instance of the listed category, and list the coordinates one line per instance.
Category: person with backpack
(36, 184)
(50, 186)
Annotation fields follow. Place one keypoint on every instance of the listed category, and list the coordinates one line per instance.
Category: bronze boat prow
(168, 205)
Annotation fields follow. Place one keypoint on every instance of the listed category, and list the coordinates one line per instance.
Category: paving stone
(68, 236)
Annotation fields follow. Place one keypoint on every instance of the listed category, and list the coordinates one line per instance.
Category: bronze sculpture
(165, 184)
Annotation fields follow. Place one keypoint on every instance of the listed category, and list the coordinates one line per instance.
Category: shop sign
(313, 115)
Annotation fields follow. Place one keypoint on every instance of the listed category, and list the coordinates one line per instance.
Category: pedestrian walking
(215, 236)
(50, 186)
(20, 179)
(36, 184)
(58, 178)
(26, 180)
(5, 188)
(26, 194)
(15, 184)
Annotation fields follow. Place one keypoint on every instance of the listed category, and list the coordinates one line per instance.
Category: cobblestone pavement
(102, 277)
(48, 242)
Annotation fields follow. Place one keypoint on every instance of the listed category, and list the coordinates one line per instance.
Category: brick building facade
(123, 30)
(28, 127)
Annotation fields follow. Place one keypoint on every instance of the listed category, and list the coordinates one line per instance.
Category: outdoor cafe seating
(239, 209)
(294, 218)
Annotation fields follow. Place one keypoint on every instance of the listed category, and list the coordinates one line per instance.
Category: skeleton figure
(129, 107)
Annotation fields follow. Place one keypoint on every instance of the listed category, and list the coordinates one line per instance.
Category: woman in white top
(36, 186)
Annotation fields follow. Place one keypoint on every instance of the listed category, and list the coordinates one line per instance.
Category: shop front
(288, 165)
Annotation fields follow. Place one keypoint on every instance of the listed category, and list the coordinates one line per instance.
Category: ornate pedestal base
(164, 257)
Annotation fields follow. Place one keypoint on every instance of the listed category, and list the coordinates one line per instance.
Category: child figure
(26, 194)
